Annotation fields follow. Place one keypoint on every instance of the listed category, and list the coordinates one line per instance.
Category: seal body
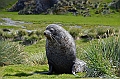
(60, 49)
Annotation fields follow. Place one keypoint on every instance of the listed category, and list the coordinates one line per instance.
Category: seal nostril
(44, 33)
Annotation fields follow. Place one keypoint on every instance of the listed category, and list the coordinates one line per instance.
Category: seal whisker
(51, 36)
(55, 39)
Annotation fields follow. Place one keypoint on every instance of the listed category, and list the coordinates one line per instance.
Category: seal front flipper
(49, 72)
(50, 69)
(74, 71)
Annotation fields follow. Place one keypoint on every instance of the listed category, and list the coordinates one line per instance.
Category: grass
(9, 27)
(39, 23)
(103, 57)
(111, 20)
(11, 53)
(36, 48)
(28, 72)
(100, 0)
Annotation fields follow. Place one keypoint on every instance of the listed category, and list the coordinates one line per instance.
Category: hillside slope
(38, 6)
(4, 4)
(32, 6)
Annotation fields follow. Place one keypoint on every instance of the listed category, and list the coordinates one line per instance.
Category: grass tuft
(103, 57)
(11, 53)
(37, 59)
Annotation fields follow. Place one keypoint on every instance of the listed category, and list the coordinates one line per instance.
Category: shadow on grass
(19, 74)
(23, 74)
(27, 74)
(44, 73)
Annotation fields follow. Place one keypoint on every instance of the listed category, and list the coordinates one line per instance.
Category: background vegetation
(4, 4)
(97, 41)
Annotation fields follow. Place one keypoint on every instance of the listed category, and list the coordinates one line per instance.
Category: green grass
(9, 27)
(39, 23)
(100, 0)
(111, 20)
(104, 56)
(26, 72)
(36, 48)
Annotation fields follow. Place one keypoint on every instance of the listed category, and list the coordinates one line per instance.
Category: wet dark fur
(60, 49)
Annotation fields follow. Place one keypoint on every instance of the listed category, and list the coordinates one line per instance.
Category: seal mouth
(50, 36)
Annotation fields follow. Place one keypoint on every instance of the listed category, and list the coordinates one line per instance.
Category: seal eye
(51, 30)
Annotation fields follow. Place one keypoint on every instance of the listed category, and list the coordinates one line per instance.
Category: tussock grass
(11, 53)
(103, 57)
(37, 59)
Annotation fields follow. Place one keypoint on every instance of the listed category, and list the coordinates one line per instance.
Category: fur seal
(61, 51)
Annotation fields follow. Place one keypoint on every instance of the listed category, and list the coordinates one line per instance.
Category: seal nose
(44, 33)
